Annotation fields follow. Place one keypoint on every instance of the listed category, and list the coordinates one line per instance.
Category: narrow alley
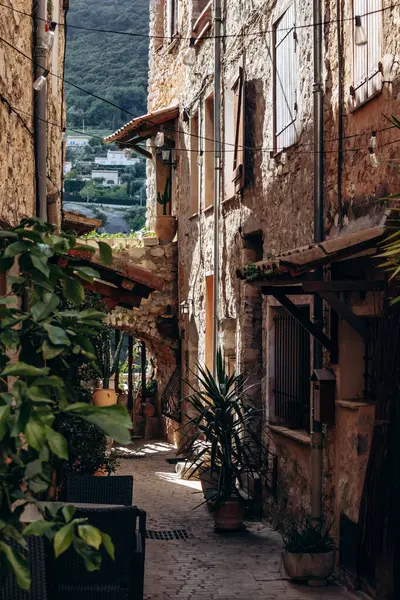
(204, 565)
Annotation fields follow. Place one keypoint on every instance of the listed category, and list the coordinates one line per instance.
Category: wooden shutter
(285, 80)
(238, 87)
(367, 76)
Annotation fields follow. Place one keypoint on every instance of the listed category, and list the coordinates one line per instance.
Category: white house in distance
(109, 177)
(115, 158)
(77, 141)
(67, 167)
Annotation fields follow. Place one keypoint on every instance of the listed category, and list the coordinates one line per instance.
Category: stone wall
(17, 161)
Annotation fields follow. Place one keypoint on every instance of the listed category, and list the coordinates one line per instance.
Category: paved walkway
(207, 565)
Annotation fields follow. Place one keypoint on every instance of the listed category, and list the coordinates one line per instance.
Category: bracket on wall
(314, 329)
(345, 312)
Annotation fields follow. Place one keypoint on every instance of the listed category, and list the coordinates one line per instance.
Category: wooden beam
(344, 311)
(311, 327)
(289, 290)
(120, 297)
(342, 286)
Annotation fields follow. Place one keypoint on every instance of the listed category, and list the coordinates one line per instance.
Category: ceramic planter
(149, 410)
(318, 566)
(229, 516)
(104, 397)
(165, 227)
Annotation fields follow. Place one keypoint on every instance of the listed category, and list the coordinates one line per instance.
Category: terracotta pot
(165, 227)
(104, 397)
(309, 566)
(149, 410)
(229, 516)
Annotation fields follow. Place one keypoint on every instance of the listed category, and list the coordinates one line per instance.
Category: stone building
(17, 128)
(266, 324)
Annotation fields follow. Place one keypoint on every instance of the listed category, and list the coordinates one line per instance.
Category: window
(285, 80)
(209, 152)
(238, 127)
(291, 371)
(367, 76)
(209, 320)
(194, 167)
(172, 18)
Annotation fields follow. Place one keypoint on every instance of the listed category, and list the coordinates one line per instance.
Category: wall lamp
(185, 306)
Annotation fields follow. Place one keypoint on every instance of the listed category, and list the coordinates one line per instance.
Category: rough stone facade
(17, 159)
(275, 211)
(155, 321)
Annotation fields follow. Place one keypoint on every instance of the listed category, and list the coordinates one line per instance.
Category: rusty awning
(306, 258)
(123, 283)
(141, 128)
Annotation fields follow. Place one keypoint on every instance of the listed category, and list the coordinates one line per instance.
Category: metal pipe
(217, 173)
(40, 98)
(339, 32)
(316, 441)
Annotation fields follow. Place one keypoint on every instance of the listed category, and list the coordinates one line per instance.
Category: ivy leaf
(16, 248)
(57, 442)
(8, 234)
(52, 381)
(105, 253)
(40, 266)
(108, 545)
(37, 528)
(63, 539)
(57, 336)
(18, 565)
(37, 394)
(90, 535)
(4, 415)
(73, 290)
(87, 273)
(10, 338)
(35, 434)
(42, 309)
(68, 512)
(21, 369)
(114, 421)
(50, 351)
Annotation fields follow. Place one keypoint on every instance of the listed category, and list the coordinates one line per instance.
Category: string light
(189, 58)
(372, 158)
(360, 38)
(372, 141)
(160, 139)
(50, 35)
(41, 80)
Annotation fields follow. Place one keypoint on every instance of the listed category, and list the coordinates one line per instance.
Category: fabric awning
(301, 260)
(141, 128)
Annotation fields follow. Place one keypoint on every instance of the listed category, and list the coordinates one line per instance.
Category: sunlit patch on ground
(174, 478)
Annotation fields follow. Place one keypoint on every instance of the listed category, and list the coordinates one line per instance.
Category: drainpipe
(217, 170)
(40, 97)
(316, 434)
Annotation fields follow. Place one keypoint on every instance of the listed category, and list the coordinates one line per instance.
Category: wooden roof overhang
(79, 223)
(140, 129)
(121, 284)
(296, 273)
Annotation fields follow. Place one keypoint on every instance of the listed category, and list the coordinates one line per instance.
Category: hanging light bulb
(372, 141)
(200, 158)
(50, 35)
(189, 58)
(360, 38)
(160, 139)
(372, 158)
(63, 136)
(40, 81)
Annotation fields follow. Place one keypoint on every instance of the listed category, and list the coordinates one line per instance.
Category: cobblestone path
(205, 565)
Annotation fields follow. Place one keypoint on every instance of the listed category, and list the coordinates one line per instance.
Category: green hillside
(109, 65)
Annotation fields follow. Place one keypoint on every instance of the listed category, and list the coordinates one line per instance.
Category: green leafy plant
(165, 197)
(307, 537)
(38, 341)
(151, 388)
(107, 360)
(222, 437)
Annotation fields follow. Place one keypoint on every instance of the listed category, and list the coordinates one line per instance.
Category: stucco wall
(17, 163)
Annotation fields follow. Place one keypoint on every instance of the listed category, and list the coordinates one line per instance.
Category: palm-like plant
(222, 435)
(107, 361)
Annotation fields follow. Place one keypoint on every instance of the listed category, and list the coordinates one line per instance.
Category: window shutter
(170, 9)
(367, 76)
(285, 75)
(360, 57)
(238, 87)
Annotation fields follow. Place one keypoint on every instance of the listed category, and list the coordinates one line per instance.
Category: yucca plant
(222, 436)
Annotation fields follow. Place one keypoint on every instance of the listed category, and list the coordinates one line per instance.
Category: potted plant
(222, 443)
(149, 409)
(165, 227)
(107, 363)
(309, 550)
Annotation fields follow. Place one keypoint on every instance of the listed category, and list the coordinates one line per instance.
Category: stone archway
(155, 322)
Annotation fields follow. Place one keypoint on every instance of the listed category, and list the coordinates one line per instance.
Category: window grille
(172, 18)
(366, 72)
(292, 372)
(285, 81)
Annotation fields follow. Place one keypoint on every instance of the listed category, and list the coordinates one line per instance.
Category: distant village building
(77, 141)
(67, 167)
(109, 177)
(115, 158)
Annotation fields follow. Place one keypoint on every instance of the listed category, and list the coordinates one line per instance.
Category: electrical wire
(223, 36)
(11, 109)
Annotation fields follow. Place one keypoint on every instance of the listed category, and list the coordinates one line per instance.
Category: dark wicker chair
(122, 579)
(116, 489)
(37, 563)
